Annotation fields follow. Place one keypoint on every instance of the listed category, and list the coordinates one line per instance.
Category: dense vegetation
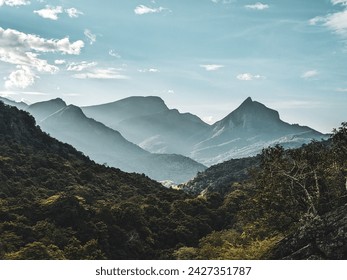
(289, 189)
(220, 177)
(55, 203)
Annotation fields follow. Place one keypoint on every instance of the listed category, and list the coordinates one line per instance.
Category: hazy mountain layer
(149, 123)
(105, 145)
(58, 204)
(244, 132)
(111, 114)
(19, 105)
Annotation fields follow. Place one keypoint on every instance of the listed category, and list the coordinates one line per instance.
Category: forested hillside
(293, 206)
(221, 177)
(55, 203)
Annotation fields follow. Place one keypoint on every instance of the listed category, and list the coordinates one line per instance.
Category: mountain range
(149, 123)
(141, 134)
(69, 124)
(58, 204)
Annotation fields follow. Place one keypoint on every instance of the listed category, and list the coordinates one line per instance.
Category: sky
(199, 56)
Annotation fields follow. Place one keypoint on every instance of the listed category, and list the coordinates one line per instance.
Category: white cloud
(50, 12)
(13, 3)
(249, 77)
(142, 9)
(72, 94)
(337, 22)
(16, 41)
(104, 74)
(23, 50)
(257, 6)
(150, 70)
(59, 61)
(211, 67)
(342, 2)
(223, 1)
(309, 74)
(114, 54)
(34, 93)
(90, 36)
(171, 91)
(21, 78)
(341, 90)
(8, 94)
(316, 20)
(80, 66)
(73, 12)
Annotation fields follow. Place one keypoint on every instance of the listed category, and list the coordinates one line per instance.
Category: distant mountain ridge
(242, 133)
(135, 106)
(150, 124)
(247, 130)
(104, 145)
(20, 105)
(58, 204)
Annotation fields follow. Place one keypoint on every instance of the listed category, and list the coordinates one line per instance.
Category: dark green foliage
(55, 203)
(220, 177)
(287, 193)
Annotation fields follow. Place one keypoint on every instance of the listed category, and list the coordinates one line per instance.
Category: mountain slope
(20, 105)
(135, 106)
(221, 177)
(246, 131)
(58, 204)
(41, 110)
(105, 145)
(166, 132)
(148, 122)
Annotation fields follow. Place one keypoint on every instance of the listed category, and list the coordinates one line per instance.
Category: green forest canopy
(55, 203)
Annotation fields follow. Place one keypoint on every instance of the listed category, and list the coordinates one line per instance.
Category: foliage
(229, 245)
(287, 189)
(55, 203)
(220, 177)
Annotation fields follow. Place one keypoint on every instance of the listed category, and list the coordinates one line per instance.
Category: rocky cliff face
(322, 238)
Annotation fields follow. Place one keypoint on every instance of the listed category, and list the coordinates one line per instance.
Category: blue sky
(201, 56)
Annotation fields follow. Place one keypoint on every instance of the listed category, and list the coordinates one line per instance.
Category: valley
(56, 203)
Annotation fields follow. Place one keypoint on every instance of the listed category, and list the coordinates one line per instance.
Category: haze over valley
(141, 134)
(186, 130)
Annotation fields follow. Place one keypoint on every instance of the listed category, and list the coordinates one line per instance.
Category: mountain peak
(250, 114)
(247, 101)
(52, 102)
(111, 114)
(71, 111)
(42, 110)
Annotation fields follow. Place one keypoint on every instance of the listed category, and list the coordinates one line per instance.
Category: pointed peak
(247, 101)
